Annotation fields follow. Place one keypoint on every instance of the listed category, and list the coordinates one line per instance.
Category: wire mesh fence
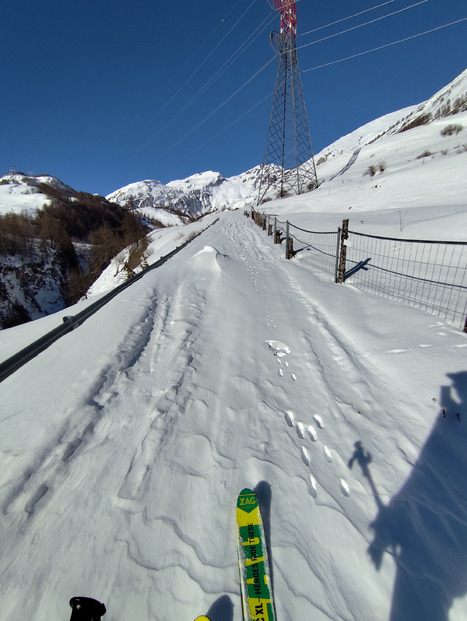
(318, 249)
(430, 275)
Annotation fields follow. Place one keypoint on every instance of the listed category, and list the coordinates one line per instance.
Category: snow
(124, 445)
(161, 243)
(17, 199)
(19, 193)
(196, 195)
(197, 181)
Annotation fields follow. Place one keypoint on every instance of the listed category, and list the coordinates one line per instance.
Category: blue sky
(102, 94)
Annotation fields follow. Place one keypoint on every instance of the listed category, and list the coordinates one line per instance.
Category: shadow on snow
(424, 526)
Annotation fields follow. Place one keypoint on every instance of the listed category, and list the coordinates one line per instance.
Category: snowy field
(124, 445)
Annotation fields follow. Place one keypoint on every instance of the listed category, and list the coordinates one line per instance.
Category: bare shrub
(374, 168)
(371, 171)
(424, 154)
(451, 129)
(423, 119)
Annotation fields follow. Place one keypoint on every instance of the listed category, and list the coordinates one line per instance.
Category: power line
(303, 71)
(372, 21)
(221, 105)
(381, 47)
(242, 48)
(246, 43)
(193, 73)
(225, 128)
(373, 8)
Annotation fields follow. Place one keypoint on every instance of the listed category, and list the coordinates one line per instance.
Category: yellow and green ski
(255, 579)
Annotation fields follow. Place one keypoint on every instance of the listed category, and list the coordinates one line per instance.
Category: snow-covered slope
(20, 193)
(410, 185)
(444, 108)
(160, 243)
(152, 198)
(450, 100)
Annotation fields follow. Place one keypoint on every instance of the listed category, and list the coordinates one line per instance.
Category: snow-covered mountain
(194, 196)
(21, 193)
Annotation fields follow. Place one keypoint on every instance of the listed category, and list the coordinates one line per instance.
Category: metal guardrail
(12, 364)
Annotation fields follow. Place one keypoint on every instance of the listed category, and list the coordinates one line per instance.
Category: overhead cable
(381, 47)
(373, 8)
(372, 21)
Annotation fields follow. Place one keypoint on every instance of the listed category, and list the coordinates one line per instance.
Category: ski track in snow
(191, 402)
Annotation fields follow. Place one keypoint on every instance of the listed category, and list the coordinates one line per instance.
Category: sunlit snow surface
(124, 445)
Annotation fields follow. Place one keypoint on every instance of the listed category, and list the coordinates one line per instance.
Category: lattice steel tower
(288, 165)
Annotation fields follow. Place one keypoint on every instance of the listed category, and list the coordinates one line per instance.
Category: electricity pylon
(288, 166)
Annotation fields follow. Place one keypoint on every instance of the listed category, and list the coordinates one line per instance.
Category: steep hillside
(445, 104)
(54, 241)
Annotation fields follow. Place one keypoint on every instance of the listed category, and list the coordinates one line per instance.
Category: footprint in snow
(305, 455)
(327, 454)
(313, 488)
(312, 433)
(290, 418)
(294, 377)
(319, 421)
(344, 487)
(301, 430)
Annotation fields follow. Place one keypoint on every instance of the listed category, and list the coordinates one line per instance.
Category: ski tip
(202, 618)
(246, 492)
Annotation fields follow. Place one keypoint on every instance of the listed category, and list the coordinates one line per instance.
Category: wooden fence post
(288, 243)
(277, 233)
(344, 234)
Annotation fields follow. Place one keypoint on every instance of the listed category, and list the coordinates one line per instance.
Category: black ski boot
(86, 609)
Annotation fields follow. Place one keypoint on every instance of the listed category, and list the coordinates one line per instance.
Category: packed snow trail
(125, 444)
